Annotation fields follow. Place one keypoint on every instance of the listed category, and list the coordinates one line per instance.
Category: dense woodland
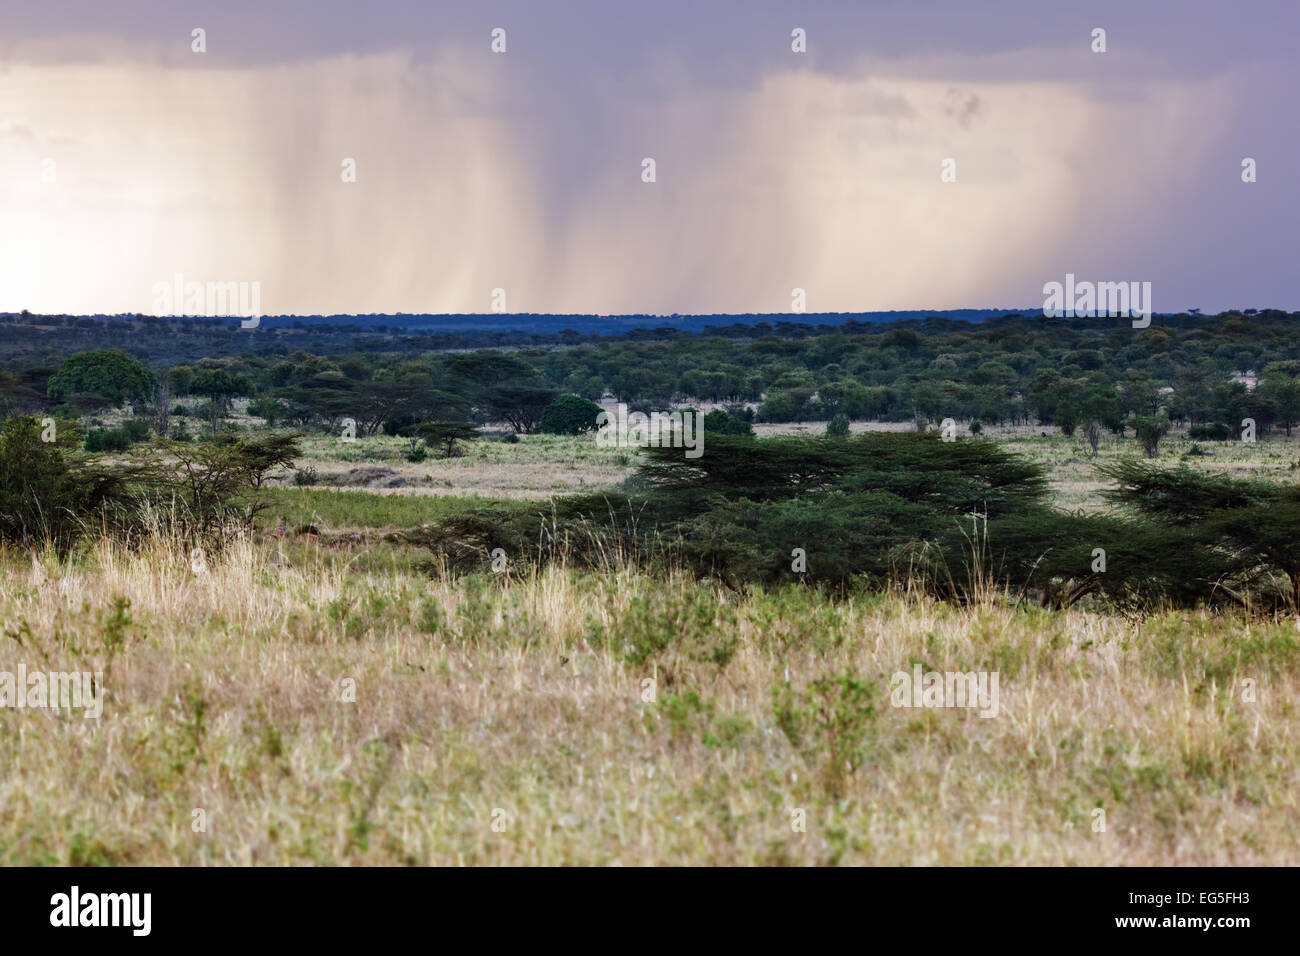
(1211, 372)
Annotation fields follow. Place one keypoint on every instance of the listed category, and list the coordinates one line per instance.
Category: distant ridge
(594, 324)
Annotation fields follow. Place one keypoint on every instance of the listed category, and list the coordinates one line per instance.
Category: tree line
(1210, 373)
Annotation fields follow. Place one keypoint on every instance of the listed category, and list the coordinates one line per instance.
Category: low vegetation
(557, 705)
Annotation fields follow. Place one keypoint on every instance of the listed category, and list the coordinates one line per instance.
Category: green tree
(569, 415)
(447, 434)
(1280, 386)
(49, 495)
(111, 375)
(520, 406)
(219, 386)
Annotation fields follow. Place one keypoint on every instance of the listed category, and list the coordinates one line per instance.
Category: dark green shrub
(107, 440)
(1150, 430)
(838, 426)
(569, 415)
(47, 493)
(718, 422)
(1212, 431)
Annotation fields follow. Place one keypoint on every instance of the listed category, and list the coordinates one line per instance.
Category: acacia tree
(212, 481)
(521, 406)
(446, 434)
(219, 386)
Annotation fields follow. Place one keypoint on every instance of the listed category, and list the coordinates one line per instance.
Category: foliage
(51, 494)
(130, 432)
(112, 375)
(838, 426)
(519, 405)
(829, 723)
(569, 415)
(447, 434)
(1150, 430)
(47, 492)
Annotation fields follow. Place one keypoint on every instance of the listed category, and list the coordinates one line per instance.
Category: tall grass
(319, 711)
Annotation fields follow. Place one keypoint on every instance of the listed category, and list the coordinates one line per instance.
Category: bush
(569, 415)
(130, 432)
(107, 440)
(1213, 431)
(829, 724)
(963, 520)
(1150, 430)
(46, 493)
(838, 426)
(50, 495)
(719, 422)
(268, 409)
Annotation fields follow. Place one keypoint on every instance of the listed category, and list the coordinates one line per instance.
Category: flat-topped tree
(519, 405)
(445, 434)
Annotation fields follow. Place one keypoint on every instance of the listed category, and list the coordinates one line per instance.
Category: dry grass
(534, 468)
(519, 695)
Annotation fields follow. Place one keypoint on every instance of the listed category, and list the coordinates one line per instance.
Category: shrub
(130, 432)
(569, 415)
(838, 426)
(719, 422)
(107, 440)
(828, 723)
(1150, 430)
(46, 492)
(1212, 431)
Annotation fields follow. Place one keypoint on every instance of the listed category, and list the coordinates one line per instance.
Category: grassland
(326, 699)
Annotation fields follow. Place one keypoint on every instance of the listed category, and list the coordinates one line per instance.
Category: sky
(128, 159)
